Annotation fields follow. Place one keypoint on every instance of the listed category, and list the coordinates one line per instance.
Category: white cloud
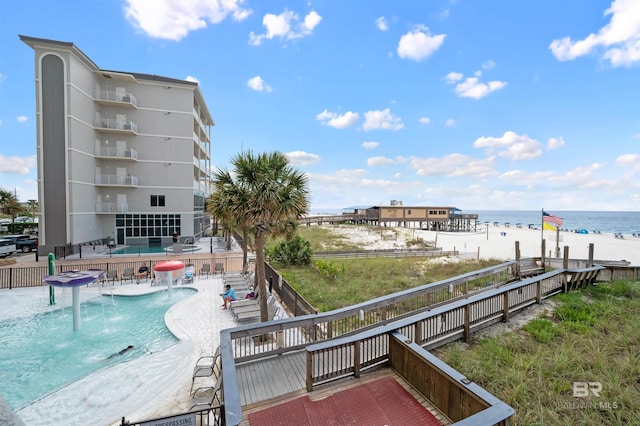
(21, 119)
(2, 77)
(301, 158)
(554, 143)
(424, 120)
(173, 20)
(382, 24)
(192, 79)
(454, 165)
(17, 165)
(384, 161)
(471, 87)
(370, 145)
(452, 77)
(619, 40)
(333, 119)
(511, 146)
(381, 120)
(450, 122)
(419, 44)
(286, 26)
(488, 65)
(257, 83)
(630, 161)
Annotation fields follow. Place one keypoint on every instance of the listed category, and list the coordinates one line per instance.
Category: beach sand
(497, 242)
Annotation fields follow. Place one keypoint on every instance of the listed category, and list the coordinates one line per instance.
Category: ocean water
(627, 223)
(608, 222)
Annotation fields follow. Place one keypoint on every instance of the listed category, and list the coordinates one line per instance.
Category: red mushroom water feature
(74, 279)
(169, 271)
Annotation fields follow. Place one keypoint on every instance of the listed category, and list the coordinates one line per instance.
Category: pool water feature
(41, 353)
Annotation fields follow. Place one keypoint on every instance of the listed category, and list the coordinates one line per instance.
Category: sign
(181, 420)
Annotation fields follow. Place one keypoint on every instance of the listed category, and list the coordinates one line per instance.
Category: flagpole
(542, 226)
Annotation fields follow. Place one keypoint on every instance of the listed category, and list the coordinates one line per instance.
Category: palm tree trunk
(262, 288)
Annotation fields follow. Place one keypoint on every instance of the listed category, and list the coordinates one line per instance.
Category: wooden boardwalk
(271, 377)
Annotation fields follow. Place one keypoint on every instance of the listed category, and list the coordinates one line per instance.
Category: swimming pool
(42, 353)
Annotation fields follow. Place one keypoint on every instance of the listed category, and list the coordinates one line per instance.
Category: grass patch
(534, 369)
(542, 330)
(354, 281)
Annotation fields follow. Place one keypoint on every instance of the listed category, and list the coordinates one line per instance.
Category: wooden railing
(337, 358)
(461, 400)
(295, 333)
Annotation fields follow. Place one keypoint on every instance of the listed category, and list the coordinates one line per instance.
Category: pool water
(42, 353)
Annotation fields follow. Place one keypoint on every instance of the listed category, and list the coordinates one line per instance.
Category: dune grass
(592, 336)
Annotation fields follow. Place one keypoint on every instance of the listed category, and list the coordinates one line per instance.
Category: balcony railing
(117, 180)
(112, 96)
(113, 151)
(114, 124)
(112, 207)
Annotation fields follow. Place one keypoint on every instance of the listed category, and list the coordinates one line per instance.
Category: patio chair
(207, 366)
(205, 269)
(112, 275)
(128, 274)
(209, 398)
(219, 268)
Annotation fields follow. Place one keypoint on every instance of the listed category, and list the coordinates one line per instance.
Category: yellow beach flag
(549, 227)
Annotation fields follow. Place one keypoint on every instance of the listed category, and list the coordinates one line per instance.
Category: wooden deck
(271, 377)
(268, 375)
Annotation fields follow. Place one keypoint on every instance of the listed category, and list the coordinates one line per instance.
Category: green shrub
(295, 252)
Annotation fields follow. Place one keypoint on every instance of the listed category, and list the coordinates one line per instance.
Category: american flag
(549, 218)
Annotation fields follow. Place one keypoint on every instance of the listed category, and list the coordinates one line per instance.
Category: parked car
(23, 243)
(23, 219)
(5, 221)
(7, 248)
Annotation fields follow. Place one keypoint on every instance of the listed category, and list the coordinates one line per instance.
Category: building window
(157, 201)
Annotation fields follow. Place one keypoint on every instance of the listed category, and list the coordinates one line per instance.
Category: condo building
(122, 156)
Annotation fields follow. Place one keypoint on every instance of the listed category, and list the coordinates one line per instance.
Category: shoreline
(498, 242)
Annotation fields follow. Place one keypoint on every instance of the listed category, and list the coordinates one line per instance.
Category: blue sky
(496, 104)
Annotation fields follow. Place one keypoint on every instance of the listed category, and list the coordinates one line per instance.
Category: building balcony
(116, 152)
(112, 207)
(113, 125)
(116, 180)
(111, 97)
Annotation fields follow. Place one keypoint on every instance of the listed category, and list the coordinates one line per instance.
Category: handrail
(299, 331)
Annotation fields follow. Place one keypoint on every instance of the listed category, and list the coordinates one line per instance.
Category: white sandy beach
(498, 242)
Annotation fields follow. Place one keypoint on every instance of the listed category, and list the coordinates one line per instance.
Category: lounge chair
(219, 268)
(207, 366)
(205, 269)
(128, 274)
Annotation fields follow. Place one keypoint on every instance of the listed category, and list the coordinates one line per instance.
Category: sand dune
(498, 242)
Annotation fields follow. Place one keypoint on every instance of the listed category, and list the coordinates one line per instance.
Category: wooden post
(538, 292)
(590, 262)
(543, 258)
(505, 306)
(467, 325)
(356, 358)
(417, 338)
(518, 259)
(309, 379)
(565, 266)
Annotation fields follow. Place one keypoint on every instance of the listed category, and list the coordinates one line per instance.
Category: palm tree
(9, 204)
(264, 194)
